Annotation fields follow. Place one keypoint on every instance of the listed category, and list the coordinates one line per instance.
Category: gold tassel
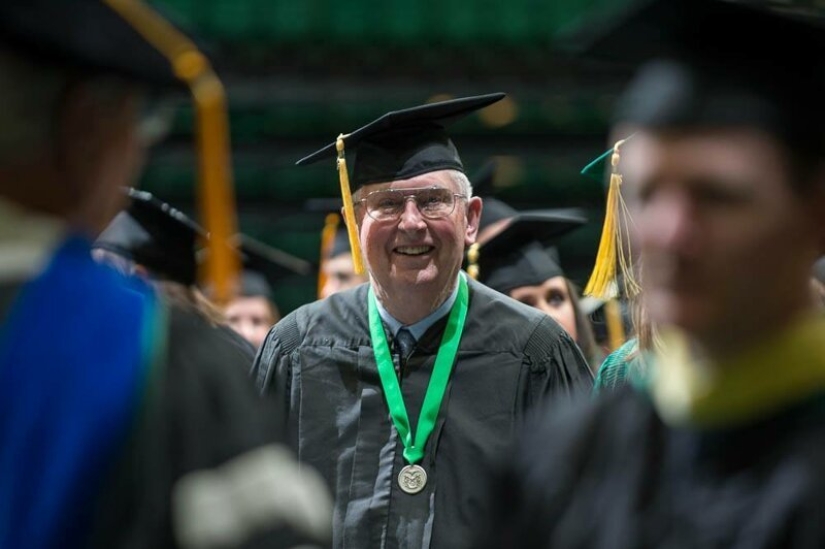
(216, 191)
(327, 241)
(349, 208)
(615, 327)
(602, 283)
(472, 261)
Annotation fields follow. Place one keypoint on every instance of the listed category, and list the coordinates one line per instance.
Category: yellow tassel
(472, 261)
(349, 208)
(327, 241)
(615, 327)
(216, 191)
(602, 283)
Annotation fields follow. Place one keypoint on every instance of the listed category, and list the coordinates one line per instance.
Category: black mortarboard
(518, 256)
(155, 235)
(528, 265)
(264, 267)
(129, 38)
(399, 145)
(494, 210)
(714, 62)
(88, 34)
(406, 143)
(543, 226)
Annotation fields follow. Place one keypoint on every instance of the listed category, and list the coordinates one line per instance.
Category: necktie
(406, 342)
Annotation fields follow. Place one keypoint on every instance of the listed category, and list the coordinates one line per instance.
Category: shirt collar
(419, 328)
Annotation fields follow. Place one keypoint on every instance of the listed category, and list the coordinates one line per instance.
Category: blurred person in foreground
(725, 181)
(402, 390)
(120, 424)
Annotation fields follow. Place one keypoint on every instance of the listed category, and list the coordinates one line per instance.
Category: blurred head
(252, 317)
(724, 176)
(74, 139)
(727, 231)
(339, 273)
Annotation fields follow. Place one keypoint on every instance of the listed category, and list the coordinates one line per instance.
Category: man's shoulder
(336, 316)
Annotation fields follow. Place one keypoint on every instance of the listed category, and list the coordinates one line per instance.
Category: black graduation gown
(320, 360)
(612, 475)
(203, 411)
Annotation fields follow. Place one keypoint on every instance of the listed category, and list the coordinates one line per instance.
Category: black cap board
(155, 235)
(87, 34)
(529, 265)
(264, 267)
(405, 143)
(718, 63)
(518, 255)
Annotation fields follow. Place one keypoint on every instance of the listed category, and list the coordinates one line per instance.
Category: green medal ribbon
(414, 449)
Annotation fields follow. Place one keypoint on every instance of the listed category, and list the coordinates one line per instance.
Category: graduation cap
(529, 265)
(264, 267)
(399, 145)
(518, 255)
(89, 34)
(155, 235)
(718, 63)
(129, 38)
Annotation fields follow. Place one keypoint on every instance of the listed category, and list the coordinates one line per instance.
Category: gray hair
(462, 181)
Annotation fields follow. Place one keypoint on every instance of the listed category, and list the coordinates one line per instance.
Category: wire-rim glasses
(432, 202)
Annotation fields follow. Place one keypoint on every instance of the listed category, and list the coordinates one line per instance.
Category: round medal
(412, 478)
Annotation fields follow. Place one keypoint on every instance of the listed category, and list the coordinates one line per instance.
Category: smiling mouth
(413, 250)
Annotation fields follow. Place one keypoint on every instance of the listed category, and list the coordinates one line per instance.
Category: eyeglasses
(432, 202)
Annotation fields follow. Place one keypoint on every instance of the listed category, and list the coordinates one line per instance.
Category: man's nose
(670, 224)
(411, 218)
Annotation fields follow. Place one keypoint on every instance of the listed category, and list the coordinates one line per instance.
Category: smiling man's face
(414, 253)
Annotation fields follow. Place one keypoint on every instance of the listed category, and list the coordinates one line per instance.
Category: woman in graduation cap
(515, 257)
(403, 390)
(723, 445)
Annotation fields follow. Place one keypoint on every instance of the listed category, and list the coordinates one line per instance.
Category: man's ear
(474, 207)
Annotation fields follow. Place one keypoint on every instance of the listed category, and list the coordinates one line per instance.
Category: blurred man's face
(340, 275)
(726, 243)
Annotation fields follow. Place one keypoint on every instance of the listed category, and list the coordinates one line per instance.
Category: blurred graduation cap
(155, 235)
(264, 267)
(89, 34)
(128, 38)
(519, 256)
(717, 63)
(399, 145)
